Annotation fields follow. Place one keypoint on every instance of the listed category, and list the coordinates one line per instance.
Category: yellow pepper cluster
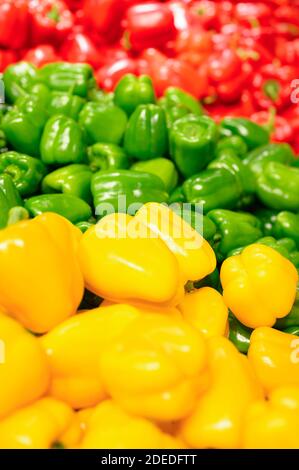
(152, 366)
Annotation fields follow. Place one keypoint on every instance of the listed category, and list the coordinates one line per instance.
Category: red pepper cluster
(240, 58)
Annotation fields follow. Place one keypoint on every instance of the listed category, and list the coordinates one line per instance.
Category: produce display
(149, 225)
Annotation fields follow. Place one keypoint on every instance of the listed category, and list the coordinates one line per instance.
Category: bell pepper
(14, 24)
(274, 357)
(65, 103)
(84, 225)
(80, 47)
(212, 280)
(63, 76)
(277, 186)
(292, 319)
(161, 167)
(42, 93)
(40, 425)
(125, 191)
(206, 311)
(104, 17)
(26, 172)
(9, 197)
(234, 143)
(229, 161)
(258, 157)
(168, 391)
(131, 267)
(286, 224)
(217, 420)
(74, 347)
(267, 218)
(48, 245)
(62, 142)
(18, 77)
(192, 143)
(213, 188)
(109, 427)
(239, 334)
(253, 134)
(21, 384)
(273, 423)
(131, 91)
(103, 122)
(24, 123)
(107, 157)
(41, 55)
(234, 229)
(67, 205)
(146, 135)
(201, 223)
(177, 104)
(254, 273)
(71, 179)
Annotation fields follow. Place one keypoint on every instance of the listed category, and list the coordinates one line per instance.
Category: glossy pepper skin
(177, 103)
(286, 224)
(253, 134)
(125, 190)
(277, 187)
(14, 18)
(216, 421)
(45, 242)
(267, 217)
(107, 157)
(257, 158)
(62, 142)
(26, 172)
(274, 357)
(40, 425)
(168, 391)
(213, 188)
(103, 123)
(234, 143)
(24, 123)
(146, 135)
(9, 198)
(64, 76)
(257, 271)
(18, 77)
(131, 91)
(162, 167)
(72, 179)
(65, 103)
(234, 229)
(66, 205)
(74, 348)
(122, 265)
(239, 334)
(273, 424)
(192, 143)
(21, 384)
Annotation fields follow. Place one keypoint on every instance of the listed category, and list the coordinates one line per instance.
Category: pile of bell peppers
(110, 293)
(240, 58)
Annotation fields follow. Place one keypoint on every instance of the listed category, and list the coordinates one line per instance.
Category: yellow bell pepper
(24, 371)
(37, 426)
(259, 285)
(74, 349)
(273, 424)
(121, 267)
(216, 421)
(156, 367)
(274, 356)
(41, 283)
(195, 256)
(205, 310)
(109, 427)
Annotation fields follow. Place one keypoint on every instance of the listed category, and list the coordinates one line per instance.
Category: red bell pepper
(108, 76)
(78, 47)
(104, 17)
(281, 130)
(224, 65)
(41, 55)
(7, 57)
(14, 24)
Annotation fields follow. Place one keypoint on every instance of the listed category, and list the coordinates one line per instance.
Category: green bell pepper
(62, 142)
(3, 143)
(292, 319)
(287, 225)
(66, 104)
(239, 334)
(103, 123)
(84, 226)
(26, 172)
(71, 207)
(177, 195)
(177, 104)
(192, 143)
(267, 217)
(212, 280)
(125, 190)
(100, 96)
(161, 167)
(64, 76)
(131, 91)
(107, 157)
(257, 158)
(292, 330)
(17, 78)
(234, 143)
(234, 229)
(146, 136)
(24, 123)
(277, 186)
(71, 179)
(252, 134)
(9, 198)
(42, 93)
(213, 189)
